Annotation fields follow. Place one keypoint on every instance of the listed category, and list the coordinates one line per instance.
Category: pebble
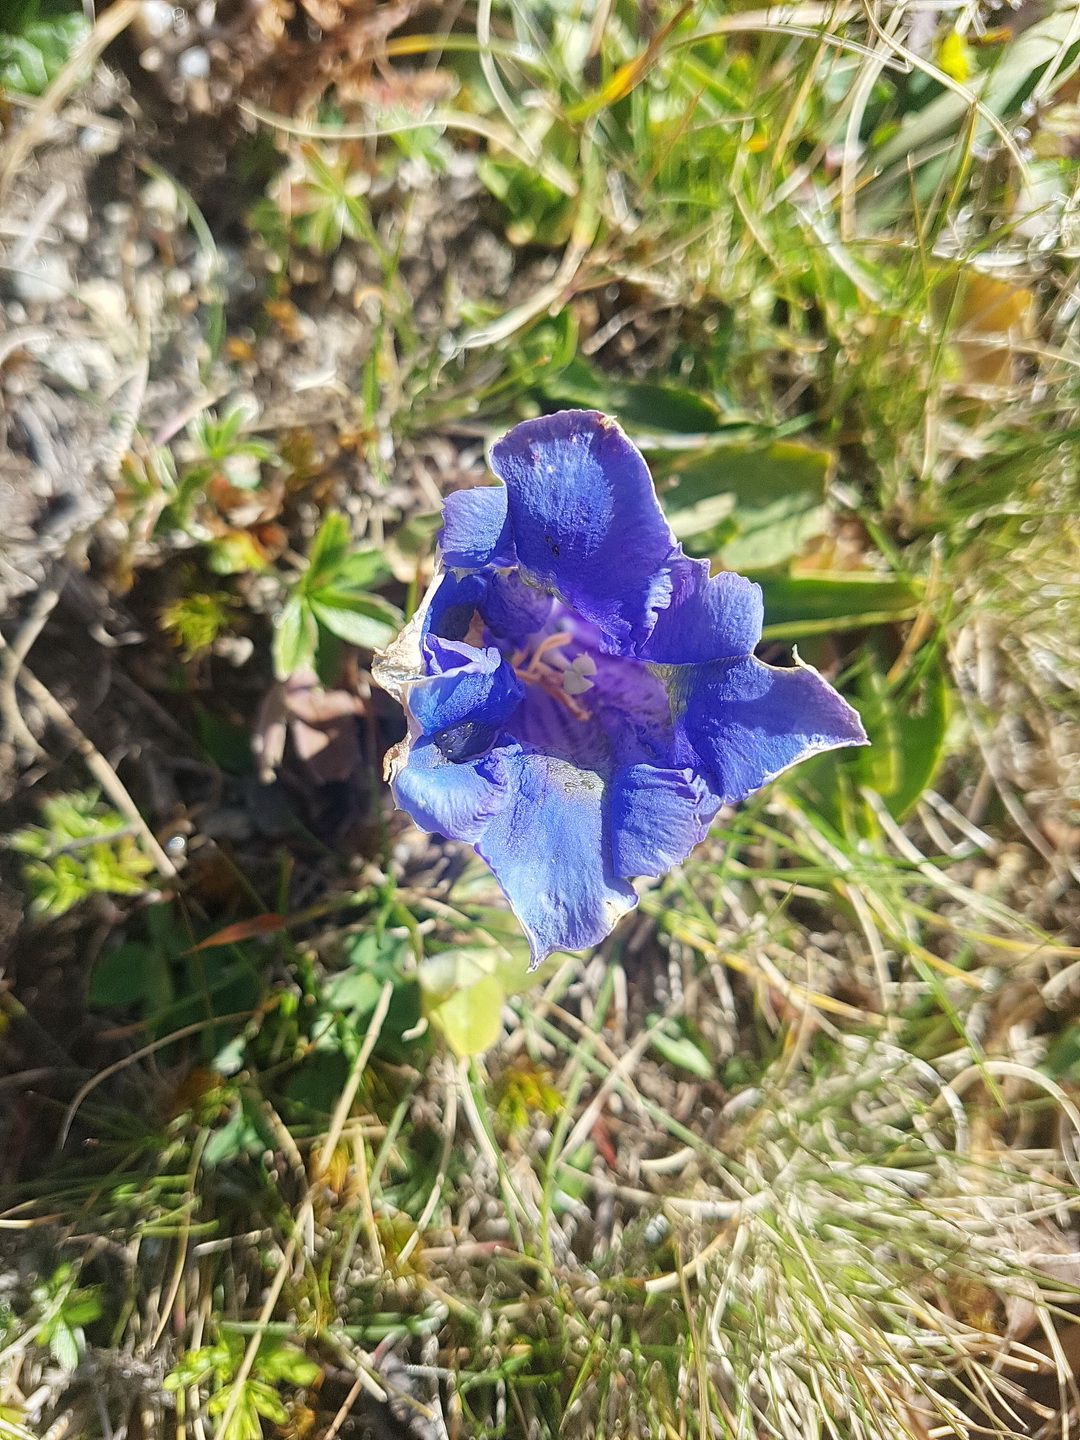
(194, 64)
(43, 280)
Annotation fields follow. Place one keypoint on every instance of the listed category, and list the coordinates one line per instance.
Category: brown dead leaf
(990, 319)
(242, 930)
(322, 724)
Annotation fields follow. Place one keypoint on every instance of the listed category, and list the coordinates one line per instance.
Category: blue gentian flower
(581, 696)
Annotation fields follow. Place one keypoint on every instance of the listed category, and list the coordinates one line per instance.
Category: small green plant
(323, 191)
(334, 593)
(219, 452)
(539, 212)
(35, 40)
(158, 969)
(64, 1308)
(195, 621)
(276, 1363)
(83, 848)
(524, 1090)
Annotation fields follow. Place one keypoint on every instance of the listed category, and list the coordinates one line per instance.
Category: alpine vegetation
(582, 697)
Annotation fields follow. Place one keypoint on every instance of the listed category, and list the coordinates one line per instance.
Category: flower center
(545, 666)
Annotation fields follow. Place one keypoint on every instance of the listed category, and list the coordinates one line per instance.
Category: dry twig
(96, 763)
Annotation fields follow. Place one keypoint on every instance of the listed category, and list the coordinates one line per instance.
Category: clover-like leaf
(464, 996)
(365, 620)
(296, 634)
(328, 549)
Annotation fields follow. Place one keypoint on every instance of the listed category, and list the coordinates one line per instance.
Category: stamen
(548, 670)
(553, 687)
(549, 643)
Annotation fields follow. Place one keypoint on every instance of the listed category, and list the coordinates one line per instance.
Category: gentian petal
(454, 604)
(454, 800)
(749, 721)
(586, 521)
(709, 618)
(475, 530)
(513, 610)
(657, 817)
(465, 685)
(550, 848)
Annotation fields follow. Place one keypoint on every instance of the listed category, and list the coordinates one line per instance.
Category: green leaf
(194, 621)
(246, 1133)
(510, 962)
(227, 744)
(464, 996)
(756, 506)
(539, 213)
(579, 385)
(82, 1308)
(376, 950)
(1062, 1059)
(29, 62)
(471, 1019)
(295, 636)
(636, 405)
(63, 1345)
(680, 1050)
(66, 871)
(31, 841)
(236, 553)
(117, 868)
(245, 1423)
(907, 725)
(907, 732)
(277, 1361)
(665, 407)
(827, 602)
(328, 550)
(198, 1364)
(267, 1401)
(352, 994)
(771, 534)
(1000, 89)
(354, 991)
(316, 1085)
(572, 1177)
(121, 977)
(755, 474)
(229, 1060)
(361, 570)
(367, 621)
(17, 15)
(55, 886)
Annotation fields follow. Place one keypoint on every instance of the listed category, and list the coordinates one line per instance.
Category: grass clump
(84, 848)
